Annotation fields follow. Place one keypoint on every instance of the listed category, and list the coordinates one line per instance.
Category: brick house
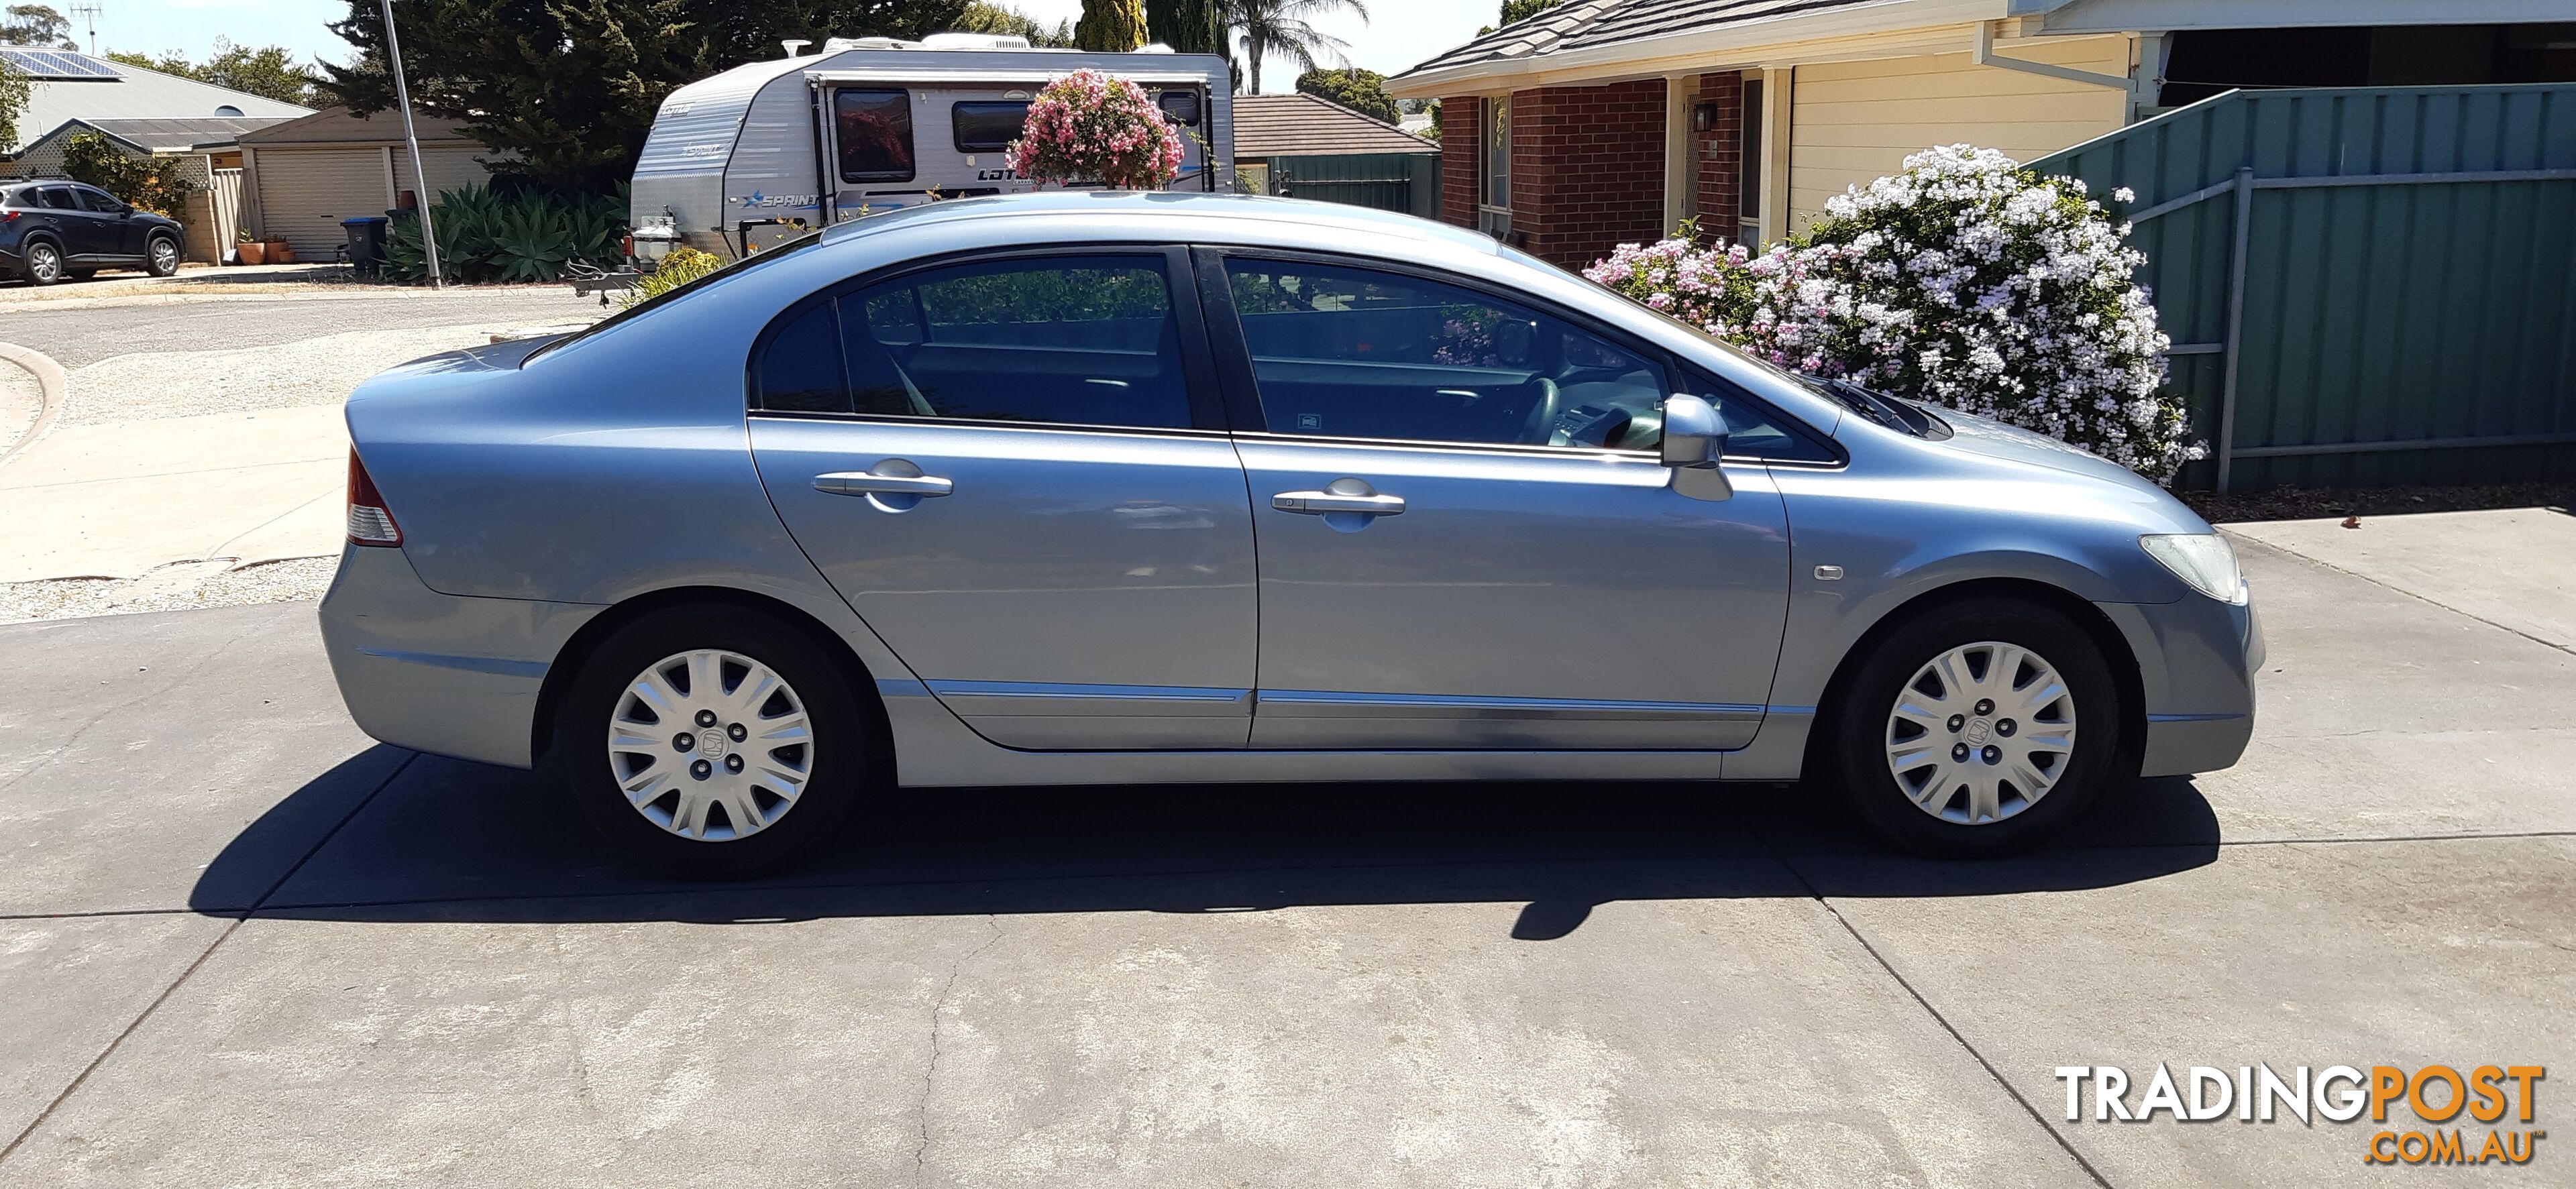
(1604, 121)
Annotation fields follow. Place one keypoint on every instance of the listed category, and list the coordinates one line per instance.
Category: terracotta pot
(251, 251)
(279, 253)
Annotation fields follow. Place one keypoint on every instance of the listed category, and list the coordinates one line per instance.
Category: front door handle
(1321, 503)
(867, 483)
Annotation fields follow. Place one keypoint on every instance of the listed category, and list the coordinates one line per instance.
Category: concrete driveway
(244, 946)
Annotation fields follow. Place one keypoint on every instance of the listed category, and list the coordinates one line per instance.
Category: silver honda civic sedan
(1075, 489)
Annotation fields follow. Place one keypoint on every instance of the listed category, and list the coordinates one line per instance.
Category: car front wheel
(713, 743)
(163, 256)
(1980, 728)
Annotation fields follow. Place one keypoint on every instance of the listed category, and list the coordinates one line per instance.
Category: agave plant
(521, 235)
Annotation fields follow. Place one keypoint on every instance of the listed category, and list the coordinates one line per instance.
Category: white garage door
(450, 168)
(304, 193)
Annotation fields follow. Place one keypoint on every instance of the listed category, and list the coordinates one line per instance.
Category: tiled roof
(136, 94)
(156, 135)
(1302, 125)
(1584, 24)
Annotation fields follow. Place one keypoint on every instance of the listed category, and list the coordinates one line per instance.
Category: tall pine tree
(1189, 26)
(1110, 26)
(568, 88)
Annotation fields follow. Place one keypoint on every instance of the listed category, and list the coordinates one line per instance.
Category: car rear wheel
(713, 743)
(162, 257)
(1980, 728)
(44, 263)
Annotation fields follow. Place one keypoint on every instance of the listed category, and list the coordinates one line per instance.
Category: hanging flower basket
(1095, 128)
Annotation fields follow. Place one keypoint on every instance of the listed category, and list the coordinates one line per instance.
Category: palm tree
(1284, 27)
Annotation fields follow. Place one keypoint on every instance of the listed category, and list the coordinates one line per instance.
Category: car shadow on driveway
(445, 840)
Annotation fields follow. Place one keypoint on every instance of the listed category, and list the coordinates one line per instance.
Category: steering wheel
(1542, 423)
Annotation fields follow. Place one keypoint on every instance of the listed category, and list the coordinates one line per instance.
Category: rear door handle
(1318, 503)
(863, 483)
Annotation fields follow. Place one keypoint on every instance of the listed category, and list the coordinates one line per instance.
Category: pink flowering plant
(1966, 281)
(1090, 127)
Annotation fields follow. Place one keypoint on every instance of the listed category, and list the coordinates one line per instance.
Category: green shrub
(509, 233)
(682, 266)
(149, 183)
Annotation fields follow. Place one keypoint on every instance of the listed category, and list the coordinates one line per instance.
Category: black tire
(841, 756)
(41, 263)
(158, 262)
(1860, 729)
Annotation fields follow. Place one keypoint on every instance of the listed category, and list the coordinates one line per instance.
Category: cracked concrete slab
(2321, 954)
(72, 985)
(135, 750)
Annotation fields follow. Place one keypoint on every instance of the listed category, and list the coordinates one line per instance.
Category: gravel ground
(20, 400)
(153, 384)
(178, 587)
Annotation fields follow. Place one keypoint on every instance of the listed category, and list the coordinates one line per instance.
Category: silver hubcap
(1981, 733)
(44, 263)
(710, 745)
(163, 255)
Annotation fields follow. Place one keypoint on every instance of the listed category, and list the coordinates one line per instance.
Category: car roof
(1185, 208)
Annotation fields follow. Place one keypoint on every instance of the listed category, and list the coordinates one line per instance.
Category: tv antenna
(88, 13)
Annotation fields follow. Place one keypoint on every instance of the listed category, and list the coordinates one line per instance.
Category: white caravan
(765, 151)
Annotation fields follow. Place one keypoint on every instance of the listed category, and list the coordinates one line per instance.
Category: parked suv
(53, 229)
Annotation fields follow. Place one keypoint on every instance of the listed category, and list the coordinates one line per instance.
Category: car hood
(1988, 438)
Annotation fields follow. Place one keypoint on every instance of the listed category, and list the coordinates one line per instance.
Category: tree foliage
(151, 183)
(270, 72)
(1362, 91)
(1188, 26)
(983, 16)
(1287, 28)
(1522, 10)
(37, 24)
(570, 87)
(1110, 26)
(14, 89)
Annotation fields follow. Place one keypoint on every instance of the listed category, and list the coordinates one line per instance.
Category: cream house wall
(1855, 121)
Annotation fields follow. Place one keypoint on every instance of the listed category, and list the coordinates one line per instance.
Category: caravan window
(1181, 106)
(874, 129)
(987, 127)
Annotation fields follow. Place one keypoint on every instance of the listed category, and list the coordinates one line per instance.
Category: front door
(118, 234)
(1466, 539)
(1012, 471)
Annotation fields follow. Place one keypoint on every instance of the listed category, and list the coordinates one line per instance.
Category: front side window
(986, 127)
(59, 198)
(1064, 340)
(100, 201)
(874, 131)
(1349, 352)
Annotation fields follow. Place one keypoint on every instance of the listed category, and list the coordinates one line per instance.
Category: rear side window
(800, 370)
(982, 127)
(874, 130)
(1063, 340)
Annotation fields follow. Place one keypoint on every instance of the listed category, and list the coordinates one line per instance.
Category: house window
(1494, 204)
(1748, 175)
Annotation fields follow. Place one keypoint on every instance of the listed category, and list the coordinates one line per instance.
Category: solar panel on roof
(56, 64)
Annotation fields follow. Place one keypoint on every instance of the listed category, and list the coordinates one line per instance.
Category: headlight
(2204, 560)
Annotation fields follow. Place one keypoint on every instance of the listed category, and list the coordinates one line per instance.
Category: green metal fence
(2365, 287)
(1408, 183)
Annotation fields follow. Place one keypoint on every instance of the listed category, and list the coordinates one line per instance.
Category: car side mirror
(1694, 442)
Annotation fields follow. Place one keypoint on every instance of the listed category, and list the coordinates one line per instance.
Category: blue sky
(1405, 31)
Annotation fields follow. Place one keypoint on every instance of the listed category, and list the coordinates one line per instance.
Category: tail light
(370, 521)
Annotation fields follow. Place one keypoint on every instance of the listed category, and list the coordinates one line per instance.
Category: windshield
(1903, 416)
(734, 269)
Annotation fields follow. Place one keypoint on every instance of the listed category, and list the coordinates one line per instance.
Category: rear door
(1466, 537)
(1014, 468)
(85, 239)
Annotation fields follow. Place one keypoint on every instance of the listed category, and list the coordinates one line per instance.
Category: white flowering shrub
(1965, 281)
